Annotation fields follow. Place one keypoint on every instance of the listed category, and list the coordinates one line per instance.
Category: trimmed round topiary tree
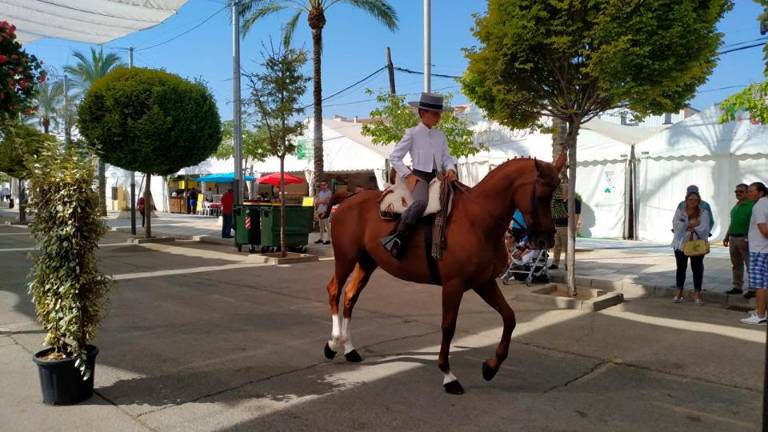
(150, 121)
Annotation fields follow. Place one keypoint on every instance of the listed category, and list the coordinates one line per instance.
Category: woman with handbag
(691, 228)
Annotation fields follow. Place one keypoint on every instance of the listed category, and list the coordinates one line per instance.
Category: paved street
(201, 338)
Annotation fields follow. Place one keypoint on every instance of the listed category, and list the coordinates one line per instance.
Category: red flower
(3, 59)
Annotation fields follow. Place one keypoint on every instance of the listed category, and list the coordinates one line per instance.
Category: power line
(746, 41)
(742, 48)
(184, 32)
(401, 69)
(371, 75)
(722, 88)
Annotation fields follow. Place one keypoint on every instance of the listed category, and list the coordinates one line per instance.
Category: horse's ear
(560, 163)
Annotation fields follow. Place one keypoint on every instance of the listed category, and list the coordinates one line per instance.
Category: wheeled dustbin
(298, 225)
(247, 230)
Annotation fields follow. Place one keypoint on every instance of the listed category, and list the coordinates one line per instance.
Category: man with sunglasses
(736, 237)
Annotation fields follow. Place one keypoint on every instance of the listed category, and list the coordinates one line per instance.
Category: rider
(429, 152)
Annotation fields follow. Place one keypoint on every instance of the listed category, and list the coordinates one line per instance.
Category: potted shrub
(66, 286)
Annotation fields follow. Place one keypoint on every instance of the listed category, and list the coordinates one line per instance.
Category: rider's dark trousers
(420, 198)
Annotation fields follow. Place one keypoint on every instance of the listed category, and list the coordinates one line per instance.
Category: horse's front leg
(492, 295)
(452, 294)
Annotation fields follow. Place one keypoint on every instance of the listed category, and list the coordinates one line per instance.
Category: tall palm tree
(252, 11)
(50, 105)
(84, 74)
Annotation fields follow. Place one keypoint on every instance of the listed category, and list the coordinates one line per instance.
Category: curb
(631, 288)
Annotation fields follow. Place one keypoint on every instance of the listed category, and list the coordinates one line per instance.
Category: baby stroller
(527, 264)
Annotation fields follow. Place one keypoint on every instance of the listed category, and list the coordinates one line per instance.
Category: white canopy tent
(603, 155)
(93, 21)
(701, 151)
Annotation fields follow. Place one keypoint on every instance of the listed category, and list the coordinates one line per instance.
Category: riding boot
(396, 243)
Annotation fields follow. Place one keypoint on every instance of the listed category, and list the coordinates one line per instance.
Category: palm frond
(254, 10)
(379, 9)
(290, 28)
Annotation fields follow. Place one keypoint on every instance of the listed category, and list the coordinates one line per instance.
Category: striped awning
(93, 21)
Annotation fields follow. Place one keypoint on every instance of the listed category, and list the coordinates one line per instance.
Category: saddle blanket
(396, 198)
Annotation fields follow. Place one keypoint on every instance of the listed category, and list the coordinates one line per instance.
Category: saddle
(397, 198)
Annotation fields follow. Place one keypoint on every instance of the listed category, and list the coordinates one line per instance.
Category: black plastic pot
(61, 382)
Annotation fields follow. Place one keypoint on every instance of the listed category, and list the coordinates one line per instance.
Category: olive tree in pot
(66, 286)
(149, 121)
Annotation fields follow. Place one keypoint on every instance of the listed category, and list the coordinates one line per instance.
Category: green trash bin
(298, 225)
(246, 223)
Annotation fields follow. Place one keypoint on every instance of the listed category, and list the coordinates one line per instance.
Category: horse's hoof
(329, 353)
(353, 357)
(453, 387)
(488, 372)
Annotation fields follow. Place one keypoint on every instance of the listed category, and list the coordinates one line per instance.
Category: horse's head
(536, 202)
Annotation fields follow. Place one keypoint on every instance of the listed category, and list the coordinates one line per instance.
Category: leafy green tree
(252, 11)
(276, 92)
(572, 60)
(18, 143)
(753, 99)
(149, 121)
(20, 74)
(255, 146)
(86, 72)
(393, 116)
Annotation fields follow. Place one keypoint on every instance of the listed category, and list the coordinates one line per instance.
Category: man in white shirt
(428, 148)
(758, 251)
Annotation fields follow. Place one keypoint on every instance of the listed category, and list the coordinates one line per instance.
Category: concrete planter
(588, 299)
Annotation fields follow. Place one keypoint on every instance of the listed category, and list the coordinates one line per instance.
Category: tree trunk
(282, 206)
(317, 93)
(22, 203)
(148, 207)
(559, 133)
(102, 188)
(570, 261)
(46, 124)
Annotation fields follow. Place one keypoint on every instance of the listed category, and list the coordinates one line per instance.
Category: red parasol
(274, 179)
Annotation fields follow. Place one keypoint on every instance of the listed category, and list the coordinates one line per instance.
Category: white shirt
(428, 149)
(757, 241)
(680, 227)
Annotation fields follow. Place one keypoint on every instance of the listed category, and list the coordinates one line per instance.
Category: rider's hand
(412, 180)
(451, 176)
(726, 241)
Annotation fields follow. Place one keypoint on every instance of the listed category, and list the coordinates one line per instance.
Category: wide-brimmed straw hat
(430, 102)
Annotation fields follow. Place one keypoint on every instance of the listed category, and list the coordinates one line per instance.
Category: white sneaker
(754, 320)
(752, 312)
(677, 299)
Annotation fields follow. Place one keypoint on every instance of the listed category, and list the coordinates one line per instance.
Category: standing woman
(689, 220)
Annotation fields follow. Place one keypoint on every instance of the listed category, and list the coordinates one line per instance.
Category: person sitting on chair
(429, 152)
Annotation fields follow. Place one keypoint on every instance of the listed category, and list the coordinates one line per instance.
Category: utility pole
(237, 134)
(391, 71)
(133, 173)
(427, 48)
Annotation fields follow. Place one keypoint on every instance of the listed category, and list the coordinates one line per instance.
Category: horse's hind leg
(492, 295)
(363, 272)
(340, 275)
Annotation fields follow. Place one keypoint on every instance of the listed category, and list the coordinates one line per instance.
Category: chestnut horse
(473, 258)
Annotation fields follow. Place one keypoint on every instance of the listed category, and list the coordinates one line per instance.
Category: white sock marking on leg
(335, 333)
(448, 377)
(346, 336)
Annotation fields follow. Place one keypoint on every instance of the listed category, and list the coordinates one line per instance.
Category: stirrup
(394, 245)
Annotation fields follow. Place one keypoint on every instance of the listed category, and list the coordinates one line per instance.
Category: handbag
(697, 247)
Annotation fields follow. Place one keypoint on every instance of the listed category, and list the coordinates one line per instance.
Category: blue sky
(355, 45)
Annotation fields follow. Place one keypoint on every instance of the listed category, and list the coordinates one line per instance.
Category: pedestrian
(736, 237)
(560, 219)
(142, 207)
(689, 223)
(227, 204)
(322, 199)
(428, 147)
(704, 206)
(758, 251)
(5, 194)
(192, 198)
